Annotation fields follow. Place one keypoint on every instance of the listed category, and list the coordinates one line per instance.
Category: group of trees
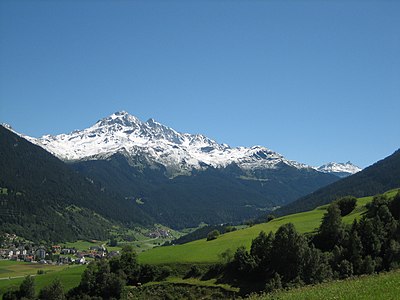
(26, 291)
(288, 258)
(105, 279)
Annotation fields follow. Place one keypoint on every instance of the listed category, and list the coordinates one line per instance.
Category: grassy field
(12, 274)
(141, 245)
(202, 251)
(197, 282)
(382, 286)
(10, 268)
(137, 237)
(84, 245)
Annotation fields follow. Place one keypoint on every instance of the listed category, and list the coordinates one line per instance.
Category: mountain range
(181, 179)
(179, 153)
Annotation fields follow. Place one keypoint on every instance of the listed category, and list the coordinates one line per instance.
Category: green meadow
(382, 286)
(12, 274)
(11, 269)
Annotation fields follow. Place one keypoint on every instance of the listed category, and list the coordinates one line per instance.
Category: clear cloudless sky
(316, 81)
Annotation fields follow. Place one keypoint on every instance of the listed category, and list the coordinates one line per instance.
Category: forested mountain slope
(377, 178)
(42, 198)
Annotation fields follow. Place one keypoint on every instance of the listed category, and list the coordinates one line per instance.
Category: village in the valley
(13, 248)
(54, 254)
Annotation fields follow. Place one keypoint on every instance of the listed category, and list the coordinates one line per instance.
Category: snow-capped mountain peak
(156, 143)
(119, 118)
(339, 169)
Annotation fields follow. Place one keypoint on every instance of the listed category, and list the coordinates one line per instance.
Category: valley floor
(12, 274)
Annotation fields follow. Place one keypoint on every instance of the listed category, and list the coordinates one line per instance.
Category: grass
(202, 251)
(382, 286)
(196, 282)
(84, 245)
(10, 268)
(69, 276)
(136, 237)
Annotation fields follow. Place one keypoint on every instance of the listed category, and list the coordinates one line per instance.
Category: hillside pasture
(207, 252)
(377, 286)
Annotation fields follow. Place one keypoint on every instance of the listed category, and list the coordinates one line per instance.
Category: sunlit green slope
(202, 251)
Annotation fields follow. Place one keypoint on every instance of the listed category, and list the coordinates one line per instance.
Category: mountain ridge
(182, 179)
(375, 179)
(339, 169)
(180, 153)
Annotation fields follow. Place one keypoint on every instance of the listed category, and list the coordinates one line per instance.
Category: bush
(165, 271)
(214, 271)
(10, 295)
(229, 228)
(274, 284)
(113, 242)
(345, 269)
(346, 205)
(212, 235)
(368, 266)
(270, 218)
(194, 272)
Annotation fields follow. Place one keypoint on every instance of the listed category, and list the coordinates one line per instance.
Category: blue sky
(316, 81)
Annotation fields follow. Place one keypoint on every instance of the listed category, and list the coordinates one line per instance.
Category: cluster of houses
(54, 254)
(159, 233)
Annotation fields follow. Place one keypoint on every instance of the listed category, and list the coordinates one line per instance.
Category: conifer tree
(27, 288)
(287, 255)
(331, 231)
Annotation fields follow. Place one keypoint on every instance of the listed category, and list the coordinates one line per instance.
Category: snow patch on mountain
(339, 169)
(157, 143)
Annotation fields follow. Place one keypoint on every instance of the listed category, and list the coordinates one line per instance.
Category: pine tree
(316, 266)
(287, 255)
(369, 238)
(345, 269)
(275, 283)
(261, 249)
(52, 292)
(243, 262)
(368, 265)
(355, 252)
(331, 231)
(129, 264)
(27, 288)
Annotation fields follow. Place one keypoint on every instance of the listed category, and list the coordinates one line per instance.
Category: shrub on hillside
(346, 205)
(212, 235)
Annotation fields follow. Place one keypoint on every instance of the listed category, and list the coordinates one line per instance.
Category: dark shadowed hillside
(42, 198)
(378, 178)
(213, 196)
